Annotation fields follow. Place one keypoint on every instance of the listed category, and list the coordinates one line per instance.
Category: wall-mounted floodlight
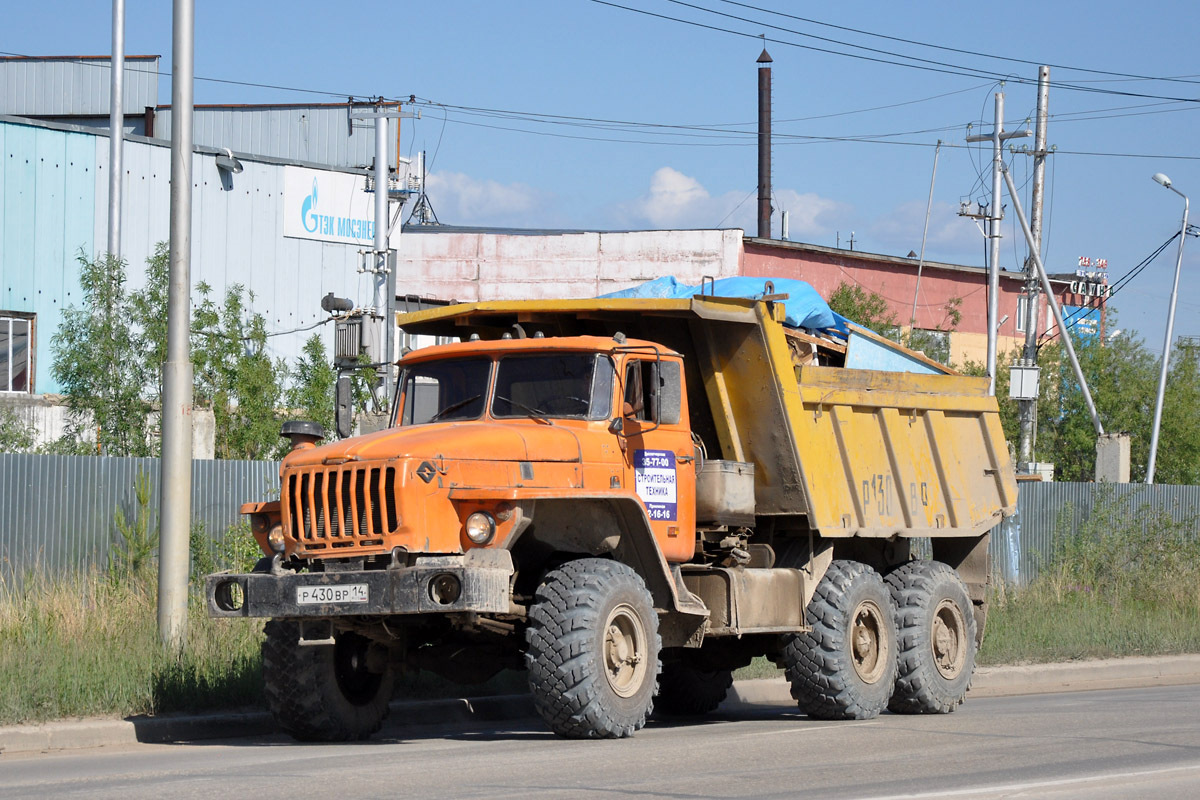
(228, 163)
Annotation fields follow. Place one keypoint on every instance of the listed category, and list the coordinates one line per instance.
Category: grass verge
(1126, 582)
(87, 645)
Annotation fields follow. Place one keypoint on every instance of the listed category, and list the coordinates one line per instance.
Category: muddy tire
(593, 648)
(686, 690)
(322, 693)
(935, 625)
(845, 667)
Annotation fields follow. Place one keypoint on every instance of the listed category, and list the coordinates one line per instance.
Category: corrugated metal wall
(318, 134)
(48, 87)
(56, 512)
(1043, 508)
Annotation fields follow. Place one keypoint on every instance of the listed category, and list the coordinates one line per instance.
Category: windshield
(576, 385)
(444, 390)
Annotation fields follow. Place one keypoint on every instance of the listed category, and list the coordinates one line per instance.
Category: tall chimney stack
(764, 145)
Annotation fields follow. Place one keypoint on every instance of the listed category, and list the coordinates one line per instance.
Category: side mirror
(616, 426)
(344, 402)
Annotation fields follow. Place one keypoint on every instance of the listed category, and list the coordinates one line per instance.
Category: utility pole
(116, 127)
(176, 475)
(1028, 406)
(912, 323)
(995, 217)
(384, 300)
(1054, 308)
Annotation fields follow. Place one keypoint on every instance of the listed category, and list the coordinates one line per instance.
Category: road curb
(1075, 676)
(1122, 673)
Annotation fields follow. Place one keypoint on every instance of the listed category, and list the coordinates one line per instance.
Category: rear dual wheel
(936, 633)
(845, 666)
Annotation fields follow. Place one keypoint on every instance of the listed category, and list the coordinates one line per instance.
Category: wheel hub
(948, 639)
(624, 651)
(869, 645)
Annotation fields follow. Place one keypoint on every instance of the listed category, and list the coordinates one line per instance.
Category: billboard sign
(1083, 321)
(328, 206)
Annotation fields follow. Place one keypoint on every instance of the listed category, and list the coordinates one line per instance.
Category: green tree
(15, 435)
(100, 363)
(1122, 376)
(148, 309)
(310, 396)
(868, 309)
(236, 375)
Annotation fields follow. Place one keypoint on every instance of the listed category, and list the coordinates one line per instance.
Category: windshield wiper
(535, 414)
(454, 407)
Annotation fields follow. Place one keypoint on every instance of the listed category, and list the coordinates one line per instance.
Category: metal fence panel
(1043, 509)
(57, 512)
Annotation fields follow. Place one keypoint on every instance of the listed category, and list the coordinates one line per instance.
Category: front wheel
(323, 693)
(936, 625)
(593, 648)
(844, 668)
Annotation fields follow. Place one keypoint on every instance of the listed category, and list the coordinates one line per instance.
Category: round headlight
(481, 527)
(275, 539)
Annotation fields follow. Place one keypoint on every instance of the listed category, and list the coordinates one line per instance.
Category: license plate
(342, 593)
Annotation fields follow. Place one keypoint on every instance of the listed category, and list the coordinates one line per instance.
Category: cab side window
(652, 391)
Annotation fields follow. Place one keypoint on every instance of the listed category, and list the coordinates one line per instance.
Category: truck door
(660, 457)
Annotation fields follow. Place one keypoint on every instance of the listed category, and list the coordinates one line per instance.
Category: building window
(935, 344)
(16, 352)
(1022, 313)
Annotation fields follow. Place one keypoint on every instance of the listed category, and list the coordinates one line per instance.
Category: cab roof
(490, 347)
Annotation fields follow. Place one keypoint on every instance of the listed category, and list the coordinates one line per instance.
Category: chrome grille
(340, 506)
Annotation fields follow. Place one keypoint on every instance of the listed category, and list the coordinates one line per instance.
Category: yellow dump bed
(857, 452)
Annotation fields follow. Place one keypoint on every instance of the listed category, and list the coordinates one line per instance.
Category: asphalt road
(1112, 744)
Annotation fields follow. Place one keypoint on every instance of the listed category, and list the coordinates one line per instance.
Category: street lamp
(1159, 178)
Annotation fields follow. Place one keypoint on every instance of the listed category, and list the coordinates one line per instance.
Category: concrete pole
(176, 476)
(1166, 356)
(116, 127)
(1058, 317)
(381, 301)
(912, 323)
(1028, 408)
(995, 218)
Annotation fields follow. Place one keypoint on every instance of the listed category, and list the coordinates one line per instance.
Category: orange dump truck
(630, 499)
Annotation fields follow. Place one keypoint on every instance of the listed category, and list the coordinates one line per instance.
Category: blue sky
(595, 66)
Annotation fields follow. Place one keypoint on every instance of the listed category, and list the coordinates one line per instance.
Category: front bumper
(484, 578)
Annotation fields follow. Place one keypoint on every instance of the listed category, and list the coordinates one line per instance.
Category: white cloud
(676, 200)
(460, 199)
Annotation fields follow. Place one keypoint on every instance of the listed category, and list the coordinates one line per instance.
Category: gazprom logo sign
(327, 206)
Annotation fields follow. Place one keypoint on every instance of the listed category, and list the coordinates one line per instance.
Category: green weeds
(1125, 582)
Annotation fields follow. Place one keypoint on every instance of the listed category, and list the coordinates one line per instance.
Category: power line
(925, 64)
(1114, 288)
(1122, 75)
(723, 137)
